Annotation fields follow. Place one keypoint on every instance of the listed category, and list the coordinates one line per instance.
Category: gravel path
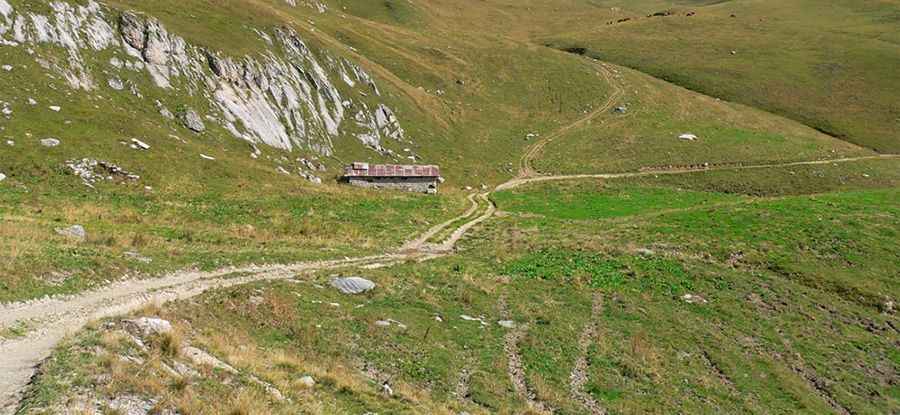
(53, 319)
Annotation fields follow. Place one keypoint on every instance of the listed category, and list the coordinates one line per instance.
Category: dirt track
(52, 319)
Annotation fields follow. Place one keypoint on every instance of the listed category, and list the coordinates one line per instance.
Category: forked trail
(47, 321)
(526, 169)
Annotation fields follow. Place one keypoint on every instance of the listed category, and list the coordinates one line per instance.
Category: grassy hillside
(830, 67)
(787, 311)
(766, 290)
(656, 114)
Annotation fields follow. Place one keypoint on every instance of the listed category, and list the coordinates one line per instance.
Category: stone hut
(421, 179)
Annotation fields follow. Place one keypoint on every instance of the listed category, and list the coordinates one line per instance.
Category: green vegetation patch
(594, 200)
(635, 273)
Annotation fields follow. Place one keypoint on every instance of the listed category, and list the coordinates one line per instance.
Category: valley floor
(622, 270)
(43, 324)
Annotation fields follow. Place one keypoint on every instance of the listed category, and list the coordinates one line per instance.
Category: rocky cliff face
(286, 96)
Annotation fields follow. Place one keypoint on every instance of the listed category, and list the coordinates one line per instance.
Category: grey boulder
(352, 285)
(147, 326)
(192, 121)
(50, 142)
(75, 232)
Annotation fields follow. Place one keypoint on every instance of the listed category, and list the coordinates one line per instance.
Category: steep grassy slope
(831, 66)
(656, 114)
(787, 312)
(196, 199)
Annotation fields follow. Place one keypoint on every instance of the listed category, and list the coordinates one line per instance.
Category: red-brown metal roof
(391, 170)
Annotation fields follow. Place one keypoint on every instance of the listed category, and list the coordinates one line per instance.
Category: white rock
(140, 144)
(76, 232)
(470, 318)
(32, 102)
(131, 405)
(116, 83)
(509, 324)
(10, 142)
(7, 68)
(688, 137)
(55, 108)
(200, 357)
(693, 299)
(205, 157)
(138, 257)
(192, 121)
(148, 326)
(5, 9)
(308, 381)
(383, 323)
(50, 142)
(285, 96)
(2, 177)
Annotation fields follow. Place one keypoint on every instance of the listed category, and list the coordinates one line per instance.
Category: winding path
(49, 320)
(526, 168)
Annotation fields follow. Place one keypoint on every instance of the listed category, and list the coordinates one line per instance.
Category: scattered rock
(888, 307)
(192, 121)
(7, 68)
(352, 285)
(508, 324)
(164, 111)
(10, 143)
(147, 326)
(131, 405)
(135, 256)
(205, 157)
(2, 177)
(199, 357)
(32, 102)
(139, 145)
(645, 252)
(308, 381)
(688, 137)
(256, 300)
(470, 318)
(391, 322)
(620, 110)
(185, 370)
(56, 278)
(76, 232)
(92, 171)
(693, 299)
(50, 142)
(116, 83)
(55, 108)
(734, 52)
